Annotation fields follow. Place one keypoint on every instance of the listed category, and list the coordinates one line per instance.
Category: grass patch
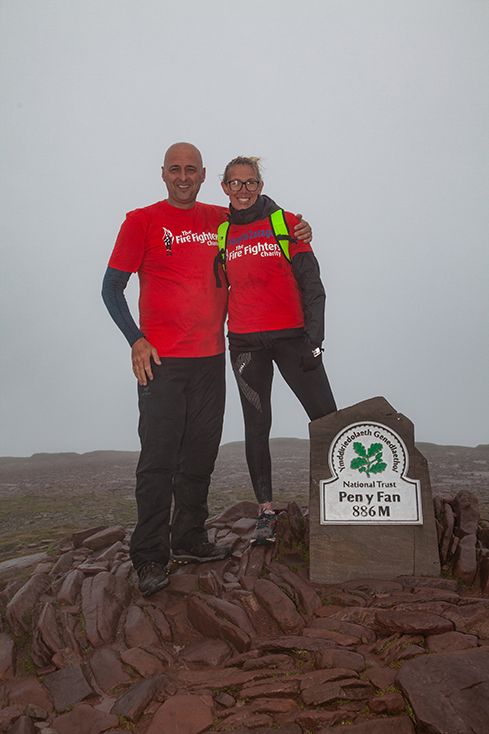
(33, 522)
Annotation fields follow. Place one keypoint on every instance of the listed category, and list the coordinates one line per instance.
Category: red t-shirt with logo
(263, 294)
(173, 250)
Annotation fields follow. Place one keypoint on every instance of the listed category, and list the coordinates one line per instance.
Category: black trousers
(254, 374)
(180, 424)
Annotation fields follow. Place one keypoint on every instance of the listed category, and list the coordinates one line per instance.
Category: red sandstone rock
(165, 618)
(472, 618)
(78, 537)
(264, 624)
(30, 690)
(279, 606)
(255, 561)
(110, 553)
(183, 583)
(391, 725)
(448, 519)
(234, 513)
(71, 587)
(244, 525)
(294, 643)
(225, 700)
(222, 679)
(450, 641)
(67, 687)
(183, 714)
(373, 587)
(350, 689)
(465, 566)
(47, 629)
(208, 652)
(138, 630)
(160, 622)
(484, 571)
(133, 702)
(23, 725)
(381, 677)
(389, 703)
(101, 608)
(8, 715)
(336, 637)
(143, 662)
(335, 658)
(308, 598)
(7, 657)
(395, 621)
(107, 669)
(63, 564)
(255, 722)
(233, 613)
(104, 538)
(209, 623)
(326, 675)
(209, 582)
(267, 662)
(362, 633)
(466, 509)
(267, 689)
(274, 705)
(364, 616)
(84, 719)
(20, 608)
(458, 685)
(312, 719)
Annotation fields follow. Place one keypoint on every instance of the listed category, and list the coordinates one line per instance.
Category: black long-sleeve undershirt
(113, 287)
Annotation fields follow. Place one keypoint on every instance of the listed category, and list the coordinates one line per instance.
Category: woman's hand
(302, 230)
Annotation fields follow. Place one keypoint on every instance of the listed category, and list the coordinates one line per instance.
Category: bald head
(183, 149)
(183, 173)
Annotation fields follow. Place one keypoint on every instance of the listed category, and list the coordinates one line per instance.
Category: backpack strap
(281, 232)
(222, 237)
(220, 259)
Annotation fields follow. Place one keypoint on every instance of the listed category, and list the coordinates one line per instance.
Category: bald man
(178, 360)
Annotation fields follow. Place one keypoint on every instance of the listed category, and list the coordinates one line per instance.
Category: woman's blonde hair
(243, 160)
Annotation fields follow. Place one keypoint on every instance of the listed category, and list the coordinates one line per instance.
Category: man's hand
(302, 230)
(141, 354)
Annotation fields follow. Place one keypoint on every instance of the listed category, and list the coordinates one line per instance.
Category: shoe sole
(264, 541)
(158, 587)
(197, 559)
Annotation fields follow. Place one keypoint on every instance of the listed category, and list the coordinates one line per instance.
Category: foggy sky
(372, 118)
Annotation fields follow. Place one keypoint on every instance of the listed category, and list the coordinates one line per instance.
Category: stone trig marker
(371, 507)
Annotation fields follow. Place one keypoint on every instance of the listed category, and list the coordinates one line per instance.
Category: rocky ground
(244, 645)
(247, 644)
(47, 496)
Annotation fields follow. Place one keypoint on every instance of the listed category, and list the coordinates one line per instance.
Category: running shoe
(202, 553)
(264, 532)
(152, 578)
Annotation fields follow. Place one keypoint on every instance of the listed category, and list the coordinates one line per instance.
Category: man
(178, 360)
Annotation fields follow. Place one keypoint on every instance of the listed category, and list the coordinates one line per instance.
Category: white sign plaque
(369, 484)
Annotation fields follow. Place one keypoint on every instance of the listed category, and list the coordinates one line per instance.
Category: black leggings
(254, 374)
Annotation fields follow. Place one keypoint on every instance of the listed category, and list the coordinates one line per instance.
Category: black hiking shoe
(202, 553)
(152, 578)
(264, 532)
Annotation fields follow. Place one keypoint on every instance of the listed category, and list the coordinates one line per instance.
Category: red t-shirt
(173, 250)
(263, 294)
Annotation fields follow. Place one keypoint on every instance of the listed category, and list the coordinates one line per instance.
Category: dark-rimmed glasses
(251, 185)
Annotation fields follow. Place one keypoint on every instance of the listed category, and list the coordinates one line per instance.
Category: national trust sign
(369, 484)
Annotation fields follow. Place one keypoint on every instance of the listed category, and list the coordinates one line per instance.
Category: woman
(275, 314)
